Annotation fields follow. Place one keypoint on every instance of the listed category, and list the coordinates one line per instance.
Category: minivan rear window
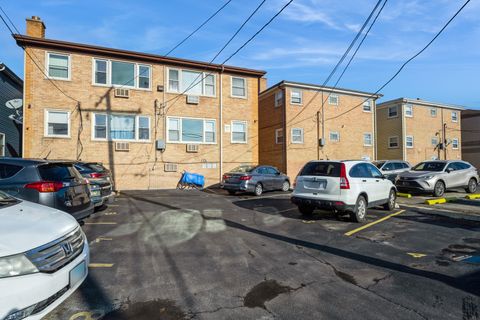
(58, 172)
(9, 170)
(324, 169)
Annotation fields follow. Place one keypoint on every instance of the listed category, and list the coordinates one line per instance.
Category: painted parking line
(100, 223)
(416, 254)
(100, 265)
(110, 213)
(99, 239)
(368, 225)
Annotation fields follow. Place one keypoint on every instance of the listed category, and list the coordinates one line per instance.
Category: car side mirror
(449, 170)
(277, 173)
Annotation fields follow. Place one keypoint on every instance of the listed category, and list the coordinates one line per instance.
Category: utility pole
(318, 135)
(445, 140)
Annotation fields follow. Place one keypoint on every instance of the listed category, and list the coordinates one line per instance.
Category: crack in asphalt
(350, 279)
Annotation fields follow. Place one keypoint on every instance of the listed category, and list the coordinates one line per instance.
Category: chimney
(35, 27)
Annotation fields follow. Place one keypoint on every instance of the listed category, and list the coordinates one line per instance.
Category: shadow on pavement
(441, 220)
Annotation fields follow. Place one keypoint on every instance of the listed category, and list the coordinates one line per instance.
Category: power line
(199, 27)
(236, 51)
(31, 58)
(406, 62)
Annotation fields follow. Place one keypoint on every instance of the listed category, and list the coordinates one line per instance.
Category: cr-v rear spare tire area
(359, 213)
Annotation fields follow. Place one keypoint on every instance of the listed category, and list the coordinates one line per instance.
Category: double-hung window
(409, 142)
(120, 127)
(367, 106)
(58, 66)
(278, 98)
(239, 87)
(191, 82)
(455, 143)
(279, 136)
(333, 99)
(433, 112)
(297, 135)
(454, 116)
(122, 74)
(408, 110)
(296, 96)
(239, 132)
(393, 142)
(57, 123)
(367, 139)
(393, 112)
(191, 130)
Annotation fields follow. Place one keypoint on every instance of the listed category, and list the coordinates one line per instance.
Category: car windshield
(243, 169)
(378, 164)
(429, 166)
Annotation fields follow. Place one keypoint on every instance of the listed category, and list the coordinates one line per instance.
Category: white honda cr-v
(44, 258)
(344, 186)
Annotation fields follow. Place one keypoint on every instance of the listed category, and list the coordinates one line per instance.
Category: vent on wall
(122, 146)
(192, 147)
(122, 93)
(193, 99)
(170, 167)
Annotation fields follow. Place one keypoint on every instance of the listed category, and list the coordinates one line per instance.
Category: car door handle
(364, 180)
(377, 180)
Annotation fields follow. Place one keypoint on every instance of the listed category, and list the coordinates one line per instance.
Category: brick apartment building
(291, 131)
(471, 137)
(415, 130)
(125, 102)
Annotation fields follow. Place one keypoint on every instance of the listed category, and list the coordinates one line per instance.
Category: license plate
(320, 185)
(77, 273)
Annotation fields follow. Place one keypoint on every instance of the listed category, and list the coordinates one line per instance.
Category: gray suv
(55, 184)
(392, 168)
(437, 176)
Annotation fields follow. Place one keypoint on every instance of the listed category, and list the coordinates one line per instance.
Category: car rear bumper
(243, 186)
(45, 291)
(322, 204)
(99, 201)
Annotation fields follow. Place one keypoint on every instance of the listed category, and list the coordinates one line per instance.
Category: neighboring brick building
(291, 125)
(11, 87)
(471, 137)
(412, 130)
(120, 127)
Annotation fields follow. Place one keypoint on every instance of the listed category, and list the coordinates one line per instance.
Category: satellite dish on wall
(15, 118)
(14, 104)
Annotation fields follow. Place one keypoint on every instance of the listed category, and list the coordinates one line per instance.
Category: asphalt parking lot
(206, 255)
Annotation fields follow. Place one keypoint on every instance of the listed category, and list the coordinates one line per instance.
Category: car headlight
(427, 177)
(16, 265)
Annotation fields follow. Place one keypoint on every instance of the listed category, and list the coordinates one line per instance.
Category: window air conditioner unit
(193, 99)
(170, 167)
(192, 148)
(122, 146)
(122, 93)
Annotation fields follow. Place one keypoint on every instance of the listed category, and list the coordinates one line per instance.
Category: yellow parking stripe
(404, 195)
(100, 265)
(368, 225)
(416, 254)
(473, 196)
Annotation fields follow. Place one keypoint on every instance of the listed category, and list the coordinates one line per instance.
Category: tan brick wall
(351, 127)
(389, 127)
(142, 167)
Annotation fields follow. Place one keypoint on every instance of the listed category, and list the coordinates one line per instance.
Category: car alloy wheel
(392, 199)
(361, 209)
(285, 186)
(472, 186)
(258, 189)
(439, 189)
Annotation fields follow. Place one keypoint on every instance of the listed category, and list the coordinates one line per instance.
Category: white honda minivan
(343, 186)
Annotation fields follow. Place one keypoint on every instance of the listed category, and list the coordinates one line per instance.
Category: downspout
(24, 124)
(284, 127)
(374, 138)
(221, 125)
(404, 133)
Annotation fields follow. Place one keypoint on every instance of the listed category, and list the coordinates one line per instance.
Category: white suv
(44, 258)
(344, 186)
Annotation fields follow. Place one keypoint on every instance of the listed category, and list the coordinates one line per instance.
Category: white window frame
(409, 107)
(245, 82)
(246, 132)
(109, 74)
(47, 65)
(406, 142)
(455, 142)
(108, 138)
(390, 142)
(181, 89)
(434, 113)
(279, 134)
(334, 96)
(4, 138)
(180, 141)
(278, 98)
(396, 112)
(300, 91)
(301, 135)
(456, 116)
(371, 139)
(335, 133)
(45, 124)
(367, 103)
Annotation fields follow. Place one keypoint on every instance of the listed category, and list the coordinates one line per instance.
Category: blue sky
(303, 44)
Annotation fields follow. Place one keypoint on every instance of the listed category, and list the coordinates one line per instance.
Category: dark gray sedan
(255, 179)
(53, 183)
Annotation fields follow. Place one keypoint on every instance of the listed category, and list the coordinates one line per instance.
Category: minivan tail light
(45, 186)
(245, 178)
(344, 183)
